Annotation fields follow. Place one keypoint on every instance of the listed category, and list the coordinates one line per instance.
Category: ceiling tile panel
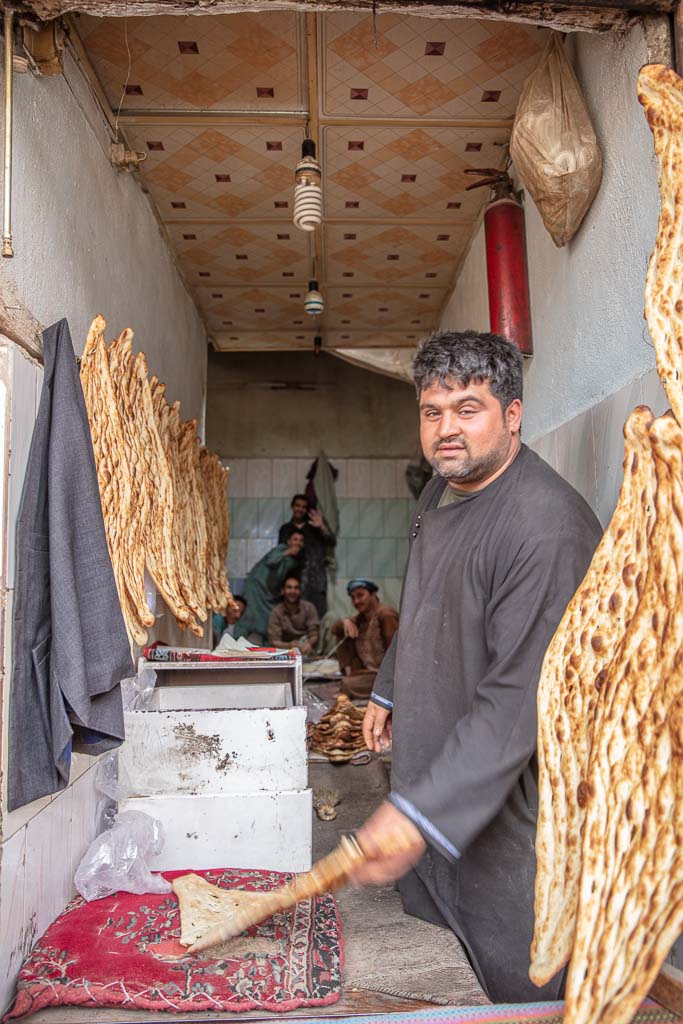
(194, 163)
(235, 56)
(374, 176)
(382, 309)
(394, 254)
(422, 67)
(256, 309)
(275, 254)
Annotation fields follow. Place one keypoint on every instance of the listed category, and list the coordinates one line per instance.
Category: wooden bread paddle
(327, 875)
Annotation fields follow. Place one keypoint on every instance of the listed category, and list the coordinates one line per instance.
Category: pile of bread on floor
(339, 733)
(609, 884)
(164, 496)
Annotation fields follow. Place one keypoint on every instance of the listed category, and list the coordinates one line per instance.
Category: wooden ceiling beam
(407, 222)
(211, 119)
(229, 119)
(568, 16)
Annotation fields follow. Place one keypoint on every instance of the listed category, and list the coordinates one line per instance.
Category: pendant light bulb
(314, 303)
(308, 196)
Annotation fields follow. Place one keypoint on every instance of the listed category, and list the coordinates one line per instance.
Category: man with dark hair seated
(319, 545)
(365, 638)
(294, 622)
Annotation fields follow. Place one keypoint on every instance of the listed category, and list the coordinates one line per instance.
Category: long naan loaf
(111, 460)
(214, 483)
(569, 688)
(660, 91)
(133, 537)
(161, 560)
(631, 892)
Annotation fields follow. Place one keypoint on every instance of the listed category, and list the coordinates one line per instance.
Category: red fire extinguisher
(506, 269)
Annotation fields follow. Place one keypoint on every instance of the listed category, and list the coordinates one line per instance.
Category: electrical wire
(130, 67)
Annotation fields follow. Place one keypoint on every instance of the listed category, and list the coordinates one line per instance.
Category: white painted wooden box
(229, 784)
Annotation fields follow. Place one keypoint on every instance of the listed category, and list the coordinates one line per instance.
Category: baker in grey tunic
(488, 578)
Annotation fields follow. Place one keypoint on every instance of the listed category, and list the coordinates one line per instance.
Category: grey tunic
(487, 581)
(69, 644)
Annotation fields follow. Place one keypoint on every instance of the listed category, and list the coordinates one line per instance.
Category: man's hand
(391, 844)
(315, 519)
(377, 727)
(305, 646)
(350, 628)
(290, 550)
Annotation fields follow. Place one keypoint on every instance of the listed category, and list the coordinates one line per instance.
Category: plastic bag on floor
(117, 860)
(553, 145)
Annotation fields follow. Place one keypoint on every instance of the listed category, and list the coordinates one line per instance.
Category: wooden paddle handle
(327, 875)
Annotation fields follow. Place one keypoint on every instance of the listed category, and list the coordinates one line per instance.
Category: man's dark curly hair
(470, 356)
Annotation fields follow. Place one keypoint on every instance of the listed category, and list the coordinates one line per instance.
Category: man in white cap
(366, 637)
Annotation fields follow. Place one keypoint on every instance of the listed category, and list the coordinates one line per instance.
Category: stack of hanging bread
(339, 733)
(164, 497)
(609, 846)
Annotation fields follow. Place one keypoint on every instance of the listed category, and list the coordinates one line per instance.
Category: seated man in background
(294, 622)
(319, 544)
(365, 638)
(263, 587)
(223, 624)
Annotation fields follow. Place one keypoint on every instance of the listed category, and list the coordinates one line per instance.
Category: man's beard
(467, 469)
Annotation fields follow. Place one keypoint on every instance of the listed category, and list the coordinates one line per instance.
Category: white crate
(271, 831)
(203, 751)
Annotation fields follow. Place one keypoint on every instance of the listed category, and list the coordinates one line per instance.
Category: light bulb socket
(317, 345)
(314, 303)
(308, 149)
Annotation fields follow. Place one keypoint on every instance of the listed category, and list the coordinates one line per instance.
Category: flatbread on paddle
(203, 906)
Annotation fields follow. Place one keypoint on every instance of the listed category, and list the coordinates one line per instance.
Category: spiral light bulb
(314, 303)
(308, 196)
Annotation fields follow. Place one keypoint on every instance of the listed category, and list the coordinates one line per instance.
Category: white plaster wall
(590, 338)
(87, 242)
(35, 884)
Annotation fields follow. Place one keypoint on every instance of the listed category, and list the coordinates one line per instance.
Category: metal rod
(7, 250)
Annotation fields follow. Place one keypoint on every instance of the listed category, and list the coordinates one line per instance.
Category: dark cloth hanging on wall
(69, 644)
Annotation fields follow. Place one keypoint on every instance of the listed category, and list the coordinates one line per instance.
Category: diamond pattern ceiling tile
(370, 339)
(380, 309)
(423, 67)
(245, 341)
(186, 170)
(235, 56)
(275, 253)
(394, 255)
(255, 309)
(437, 157)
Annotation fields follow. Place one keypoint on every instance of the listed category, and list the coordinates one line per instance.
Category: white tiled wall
(43, 842)
(375, 506)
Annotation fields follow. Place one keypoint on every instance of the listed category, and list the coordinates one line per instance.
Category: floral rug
(124, 951)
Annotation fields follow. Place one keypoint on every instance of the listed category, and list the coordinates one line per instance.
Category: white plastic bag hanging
(553, 145)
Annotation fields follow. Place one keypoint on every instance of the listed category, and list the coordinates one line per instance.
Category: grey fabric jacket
(70, 649)
(487, 582)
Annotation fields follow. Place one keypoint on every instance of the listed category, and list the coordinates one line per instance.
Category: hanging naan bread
(165, 507)
(113, 469)
(569, 688)
(660, 91)
(161, 560)
(203, 906)
(631, 891)
(213, 479)
(120, 355)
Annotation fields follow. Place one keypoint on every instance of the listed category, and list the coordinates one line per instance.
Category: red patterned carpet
(124, 951)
